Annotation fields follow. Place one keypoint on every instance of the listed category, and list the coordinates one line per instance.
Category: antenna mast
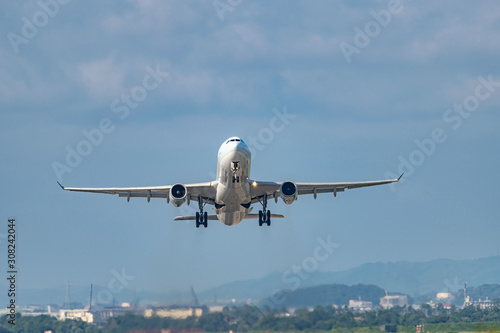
(465, 293)
(68, 295)
(196, 303)
(90, 301)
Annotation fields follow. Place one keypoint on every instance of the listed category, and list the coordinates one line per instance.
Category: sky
(141, 93)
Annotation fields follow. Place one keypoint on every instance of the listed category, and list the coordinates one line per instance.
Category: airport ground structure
(389, 313)
(245, 318)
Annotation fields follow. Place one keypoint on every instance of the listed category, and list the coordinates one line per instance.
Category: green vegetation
(331, 294)
(44, 323)
(249, 318)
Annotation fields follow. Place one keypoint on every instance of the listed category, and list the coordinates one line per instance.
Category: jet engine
(288, 192)
(178, 195)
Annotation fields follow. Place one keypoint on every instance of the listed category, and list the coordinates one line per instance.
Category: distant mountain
(491, 291)
(411, 278)
(422, 277)
(254, 289)
(338, 294)
(80, 296)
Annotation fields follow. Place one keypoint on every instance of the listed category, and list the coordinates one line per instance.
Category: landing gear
(264, 214)
(201, 217)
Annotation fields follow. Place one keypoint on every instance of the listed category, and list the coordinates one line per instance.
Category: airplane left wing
(272, 189)
(194, 191)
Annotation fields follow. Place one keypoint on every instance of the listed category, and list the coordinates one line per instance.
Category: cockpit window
(233, 140)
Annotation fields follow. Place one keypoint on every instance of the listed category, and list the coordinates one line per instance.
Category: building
(215, 308)
(444, 296)
(389, 328)
(388, 302)
(168, 330)
(484, 304)
(94, 316)
(174, 312)
(360, 305)
(83, 314)
(37, 310)
(101, 316)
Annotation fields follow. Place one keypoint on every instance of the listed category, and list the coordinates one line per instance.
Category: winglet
(401, 176)
(60, 185)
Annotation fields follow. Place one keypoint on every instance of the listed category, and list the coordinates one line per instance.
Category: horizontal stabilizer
(214, 217)
(193, 218)
(256, 216)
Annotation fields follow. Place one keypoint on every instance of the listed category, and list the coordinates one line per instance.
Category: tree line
(250, 318)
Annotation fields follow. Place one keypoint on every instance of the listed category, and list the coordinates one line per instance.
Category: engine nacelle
(178, 195)
(288, 192)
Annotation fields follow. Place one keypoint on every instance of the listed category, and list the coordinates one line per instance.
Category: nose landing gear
(235, 167)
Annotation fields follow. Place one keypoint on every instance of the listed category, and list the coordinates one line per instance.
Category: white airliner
(233, 193)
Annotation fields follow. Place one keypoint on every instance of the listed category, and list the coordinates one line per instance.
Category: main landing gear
(264, 214)
(201, 217)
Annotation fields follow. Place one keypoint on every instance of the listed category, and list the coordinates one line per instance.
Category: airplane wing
(194, 191)
(272, 189)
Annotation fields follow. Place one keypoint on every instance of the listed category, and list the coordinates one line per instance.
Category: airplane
(233, 192)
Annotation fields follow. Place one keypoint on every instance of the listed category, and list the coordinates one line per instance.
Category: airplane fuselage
(233, 195)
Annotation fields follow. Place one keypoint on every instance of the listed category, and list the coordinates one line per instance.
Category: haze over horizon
(419, 280)
(141, 93)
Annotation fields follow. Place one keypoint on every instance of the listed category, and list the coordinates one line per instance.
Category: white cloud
(102, 78)
(145, 16)
(228, 75)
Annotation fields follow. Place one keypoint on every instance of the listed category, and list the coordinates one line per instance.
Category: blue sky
(391, 106)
